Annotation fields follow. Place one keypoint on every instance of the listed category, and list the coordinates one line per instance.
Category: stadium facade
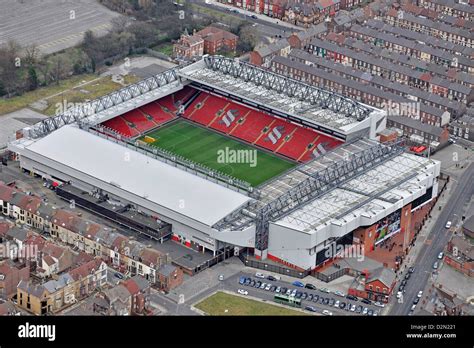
(345, 186)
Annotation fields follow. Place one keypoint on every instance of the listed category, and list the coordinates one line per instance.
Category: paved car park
(320, 299)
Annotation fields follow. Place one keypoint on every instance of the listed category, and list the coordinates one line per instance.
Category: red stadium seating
(157, 113)
(284, 129)
(138, 118)
(168, 103)
(206, 113)
(226, 123)
(119, 125)
(251, 129)
(297, 146)
(183, 95)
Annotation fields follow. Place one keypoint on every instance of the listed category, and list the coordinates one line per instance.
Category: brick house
(216, 39)
(10, 276)
(460, 255)
(188, 46)
(139, 289)
(169, 277)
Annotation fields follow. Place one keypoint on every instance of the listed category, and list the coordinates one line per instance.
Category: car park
(366, 301)
(440, 255)
(326, 290)
(272, 278)
(243, 292)
(379, 304)
(339, 293)
(298, 284)
(326, 312)
(310, 308)
(420, 293)
(260, 275)
(310, 286)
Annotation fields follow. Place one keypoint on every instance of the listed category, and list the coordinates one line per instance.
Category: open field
(220, 302)
(210, 148)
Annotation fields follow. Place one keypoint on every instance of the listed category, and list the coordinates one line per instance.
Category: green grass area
(67, 90)
(92, 90)
(166, 49)
(225, 304)
(209, 148)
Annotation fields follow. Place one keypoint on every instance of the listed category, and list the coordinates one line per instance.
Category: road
(243, 14)
(438, 238)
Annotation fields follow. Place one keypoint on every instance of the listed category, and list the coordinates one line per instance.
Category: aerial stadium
(235, 156)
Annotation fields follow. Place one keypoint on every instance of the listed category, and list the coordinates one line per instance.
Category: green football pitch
(219, 152)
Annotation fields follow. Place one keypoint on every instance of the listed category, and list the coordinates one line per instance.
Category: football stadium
(236, 157)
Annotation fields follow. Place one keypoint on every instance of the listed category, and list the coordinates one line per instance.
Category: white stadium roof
(138, 174)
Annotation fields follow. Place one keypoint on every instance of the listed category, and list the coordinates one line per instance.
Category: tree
(32, 78)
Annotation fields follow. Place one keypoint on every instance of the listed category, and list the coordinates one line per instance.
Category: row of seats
(136, 122)
(271, 133)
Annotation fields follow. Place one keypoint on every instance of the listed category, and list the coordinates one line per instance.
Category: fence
(273, 268)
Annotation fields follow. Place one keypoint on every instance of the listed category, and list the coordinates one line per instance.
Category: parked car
(404, 282)
(326, 290)
(304, 296)
(359, 309)
(294, 292)
(310, 286)
(435, 265)
(339, 293)
(288, 292)
(337, 304)
(411, 269)
(326, 301)
(260, 275)
(420, 293)
(243, 292)
(310, 297)
(252, 283)
(342, 305)
(242, 280)
(273, 288)
(221, 277)
(448, 224)
(118, 275)
(364, 312)
(272, 278)
(310, 308)
(247, 282)
(401, 288)
(263, 286)
(258, 284)
(370, 312)
(332, 301)
(283, 290)
(298, 294)
(407, 276)
(254, 16)
(322, 300)
(366, 301)
(315, 298)
(351, 297)
(379, 304)
(278, 289)
(413, 307)
(353, 308)
(298, 284)
(268, 287)
(416, 300)
(440, 255)
(326, 312)
(399, 294)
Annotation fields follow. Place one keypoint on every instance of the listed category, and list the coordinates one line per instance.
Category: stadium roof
(138, 174)
(292, 97)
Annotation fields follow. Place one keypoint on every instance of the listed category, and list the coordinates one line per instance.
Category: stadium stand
(121, 126)
(139, 120)
(276, 135)
(157, 113)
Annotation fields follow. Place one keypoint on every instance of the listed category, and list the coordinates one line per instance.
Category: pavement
(52, 25)
(10, 123)
(433, 238)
